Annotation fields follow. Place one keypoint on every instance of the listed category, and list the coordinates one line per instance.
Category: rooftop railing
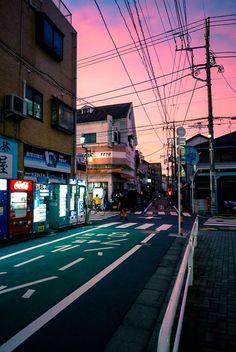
(63, 9)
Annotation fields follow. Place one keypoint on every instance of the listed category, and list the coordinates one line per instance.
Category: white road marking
(148, 237)
(124, 226)
(97, 249)
(71, 264)
(60, 248)
(163, 227)
(35, 325)
(2, 287)
(150, 212)
(69, 248)
(28, 293)
(114, 242)
(144, 226)
(29, 261)
(138, 212)
(161, 213)
(28, 284)
(109, 224)
(3, 273)
(54, 241)
(173, 213)
(186, 214)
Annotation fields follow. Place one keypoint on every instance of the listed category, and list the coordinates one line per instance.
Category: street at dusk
(83, 280)
(117, 175)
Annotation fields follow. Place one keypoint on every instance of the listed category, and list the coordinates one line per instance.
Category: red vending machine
(20, 207)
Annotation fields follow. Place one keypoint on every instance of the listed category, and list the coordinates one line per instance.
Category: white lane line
(54, 241)
(150, 212)
(28, 294)
(149, 237)
(28, 284)
(173, 213)
(149, 217)
(35, 325)
(71, 264)
(29, 261)
(163, 227)
(138, 212)
(186, 214)
(161, 213)
(124, 226)
(144, 226)
(3, 273)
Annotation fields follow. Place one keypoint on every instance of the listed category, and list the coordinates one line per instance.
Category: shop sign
(46, 159)
(8, 158)
(20, 185)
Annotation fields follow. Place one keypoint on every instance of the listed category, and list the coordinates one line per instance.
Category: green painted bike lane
(41, 279)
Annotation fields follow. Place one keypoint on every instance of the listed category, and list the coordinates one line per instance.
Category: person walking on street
(123, 207)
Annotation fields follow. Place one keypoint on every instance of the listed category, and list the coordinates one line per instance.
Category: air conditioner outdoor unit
(16, 106)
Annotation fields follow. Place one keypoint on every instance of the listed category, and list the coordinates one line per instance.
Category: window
(34, 101)
(90, 138)
(49, 36)
(131, 141)
(117, 137)
(62, 116)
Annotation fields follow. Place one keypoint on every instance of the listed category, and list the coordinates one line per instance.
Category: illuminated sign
(20, 185)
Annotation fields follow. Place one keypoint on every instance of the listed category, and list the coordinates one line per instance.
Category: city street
(70, 290)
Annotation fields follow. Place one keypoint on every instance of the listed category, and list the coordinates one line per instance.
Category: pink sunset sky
(157, 104)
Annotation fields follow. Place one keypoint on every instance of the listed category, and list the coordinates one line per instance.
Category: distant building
(110, 138)
(155, 179)
(37, 90)
(225, 172)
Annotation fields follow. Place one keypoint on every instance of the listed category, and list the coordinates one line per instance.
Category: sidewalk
(210, 315)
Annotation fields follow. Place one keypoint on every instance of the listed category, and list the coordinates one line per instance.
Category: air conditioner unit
(16, 106)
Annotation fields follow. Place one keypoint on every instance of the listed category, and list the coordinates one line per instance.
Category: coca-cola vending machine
(20, 207)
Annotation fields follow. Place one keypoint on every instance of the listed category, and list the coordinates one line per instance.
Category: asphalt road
(69, 291)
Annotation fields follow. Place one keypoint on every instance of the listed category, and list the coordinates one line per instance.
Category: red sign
(21, 185)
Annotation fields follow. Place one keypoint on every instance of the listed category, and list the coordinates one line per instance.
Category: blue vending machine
(58, 206)
(41, 208)
(3, 209)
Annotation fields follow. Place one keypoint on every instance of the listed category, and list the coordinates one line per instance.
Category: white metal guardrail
(185, 267)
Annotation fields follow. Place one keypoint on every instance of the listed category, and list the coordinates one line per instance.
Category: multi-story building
(110, 138)
(37, 90)
(224, 173)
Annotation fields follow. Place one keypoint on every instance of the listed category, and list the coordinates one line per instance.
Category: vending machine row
(28, 207)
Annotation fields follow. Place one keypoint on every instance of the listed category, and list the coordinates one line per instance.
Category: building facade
(110, 139)
(37, 91)
(224, 175)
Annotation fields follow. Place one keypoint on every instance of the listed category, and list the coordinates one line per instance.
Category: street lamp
(84, 146)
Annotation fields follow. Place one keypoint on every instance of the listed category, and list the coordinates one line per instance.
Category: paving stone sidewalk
(210, 316)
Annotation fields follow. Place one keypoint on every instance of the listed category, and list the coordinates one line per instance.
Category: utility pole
(209, 64)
